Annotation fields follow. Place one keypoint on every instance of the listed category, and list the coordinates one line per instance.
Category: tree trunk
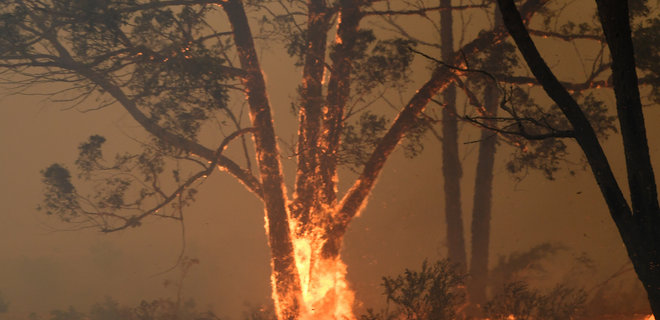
(312, 103)
(643, 229)
(638, 226)
(482, 203)
(285, 278)
(451, 165)
(483, 191)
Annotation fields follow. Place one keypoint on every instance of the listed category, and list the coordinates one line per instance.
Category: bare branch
(566, 37)
(422, 11)
(554, 133)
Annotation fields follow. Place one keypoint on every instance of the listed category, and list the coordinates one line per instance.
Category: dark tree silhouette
(638, 222)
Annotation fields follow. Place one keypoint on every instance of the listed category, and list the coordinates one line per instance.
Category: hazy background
(43, 266)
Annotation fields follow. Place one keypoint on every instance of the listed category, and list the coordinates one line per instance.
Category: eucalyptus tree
(637, 221)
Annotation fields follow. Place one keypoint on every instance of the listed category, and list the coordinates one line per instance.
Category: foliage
(69, 314)
(437, 292)
(514, 267)
(380, 63)
(547, 155)
(4, 305)
(110, 309)
(60, 196)
(434, 292)
(114, 185)
(517, 299)
(647, 53)
(360, 139)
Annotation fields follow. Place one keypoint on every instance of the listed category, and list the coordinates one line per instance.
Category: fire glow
(325, 291)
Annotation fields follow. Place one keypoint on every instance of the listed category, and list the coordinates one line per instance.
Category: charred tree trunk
(451, 165)
(644, 228)
(639, 223)
(482, 204)
(286, 282)
(310, 114)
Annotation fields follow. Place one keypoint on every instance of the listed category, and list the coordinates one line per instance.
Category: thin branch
(566, 37)
(134, 221)
(422, 11)
(450, 66)
(521, 132)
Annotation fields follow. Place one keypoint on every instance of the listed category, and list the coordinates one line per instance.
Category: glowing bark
(286, 282)
(339, 90)
(310, 114)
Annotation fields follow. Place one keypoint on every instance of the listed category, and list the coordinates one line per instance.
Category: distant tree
(638, 222)
(69, 314)
(109, 309)
(451, 163)
(4, 305)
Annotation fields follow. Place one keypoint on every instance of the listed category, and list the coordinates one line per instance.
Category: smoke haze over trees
(190, 75)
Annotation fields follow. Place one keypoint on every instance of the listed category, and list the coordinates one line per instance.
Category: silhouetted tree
(638, 222)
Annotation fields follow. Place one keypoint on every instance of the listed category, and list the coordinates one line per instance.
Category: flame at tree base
(324, 290)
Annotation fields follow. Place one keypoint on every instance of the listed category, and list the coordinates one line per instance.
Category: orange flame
(650, 317)
(325, 291)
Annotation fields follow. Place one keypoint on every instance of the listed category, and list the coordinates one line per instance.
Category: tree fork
(354, 199)
(442, 76)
